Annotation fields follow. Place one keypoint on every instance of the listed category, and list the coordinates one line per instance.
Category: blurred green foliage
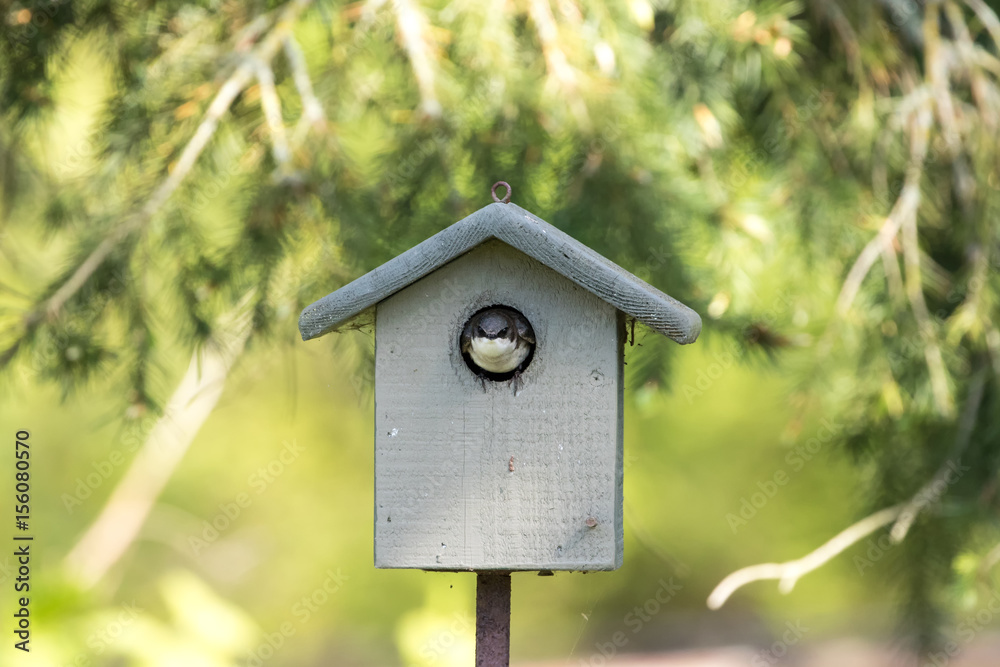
(741, 156)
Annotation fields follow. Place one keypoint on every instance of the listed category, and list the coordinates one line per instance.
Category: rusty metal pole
(492, 619)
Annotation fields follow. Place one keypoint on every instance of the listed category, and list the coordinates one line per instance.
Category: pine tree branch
(548, 36)
(906, 15)
(975, 59)
(891, 267)
(51, 308)
(845, 31)
(907, 203)
(938, 69)
(987, 17)
(915, 293)
(412, 30)
(903, 217)
(789, 573)
(271, 105)
(993, 346)
(905, 208)
(312, 110)
(989, 561)
(913, 280)
(250, 33)
(121, 519)
(555, 58)
(932, 491)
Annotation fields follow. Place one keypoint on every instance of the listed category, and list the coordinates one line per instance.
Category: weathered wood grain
(474, 479)
(532, 236)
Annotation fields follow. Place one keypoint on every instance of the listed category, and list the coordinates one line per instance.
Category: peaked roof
(531, 235)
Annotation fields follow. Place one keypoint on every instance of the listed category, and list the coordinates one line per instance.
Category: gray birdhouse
(482, 466)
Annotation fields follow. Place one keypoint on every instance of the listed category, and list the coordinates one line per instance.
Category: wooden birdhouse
(481, 466)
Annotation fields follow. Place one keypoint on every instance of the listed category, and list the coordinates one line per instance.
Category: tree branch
(412, 28)
(906, 15)
(845, 31)
(989, 561)
(271, 105)
(915, 292)
(891, 267)
(993, 345)
(790, 572)
(905, 208)
(973, 57)
(312, 110)
(987, 17)
(911, 258)
(555, 58)
(938, 68)
(908, 201)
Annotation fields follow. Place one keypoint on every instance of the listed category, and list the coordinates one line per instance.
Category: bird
(498, 341)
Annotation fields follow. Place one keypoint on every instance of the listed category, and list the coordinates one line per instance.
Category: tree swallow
(498, 341)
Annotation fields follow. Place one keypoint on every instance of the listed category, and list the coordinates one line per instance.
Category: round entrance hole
(497, 343)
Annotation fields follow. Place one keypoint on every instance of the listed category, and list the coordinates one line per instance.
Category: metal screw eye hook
(493, 191)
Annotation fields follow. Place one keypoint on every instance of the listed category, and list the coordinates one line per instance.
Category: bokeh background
(819, 180)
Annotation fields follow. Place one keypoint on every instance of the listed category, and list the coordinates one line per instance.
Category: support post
(492, 619)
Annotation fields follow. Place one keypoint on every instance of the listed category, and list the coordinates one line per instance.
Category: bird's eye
(480, 332)
(503, 332)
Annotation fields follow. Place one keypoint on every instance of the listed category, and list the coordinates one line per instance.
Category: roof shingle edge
(531, 235)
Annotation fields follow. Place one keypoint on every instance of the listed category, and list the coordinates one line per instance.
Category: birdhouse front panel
(480, 470)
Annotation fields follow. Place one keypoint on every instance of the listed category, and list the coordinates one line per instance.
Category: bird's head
(494, 324)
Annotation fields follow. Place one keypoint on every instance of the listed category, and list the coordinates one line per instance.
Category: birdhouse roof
(531, 235)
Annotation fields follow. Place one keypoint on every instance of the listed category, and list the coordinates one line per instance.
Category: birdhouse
(499, 350)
